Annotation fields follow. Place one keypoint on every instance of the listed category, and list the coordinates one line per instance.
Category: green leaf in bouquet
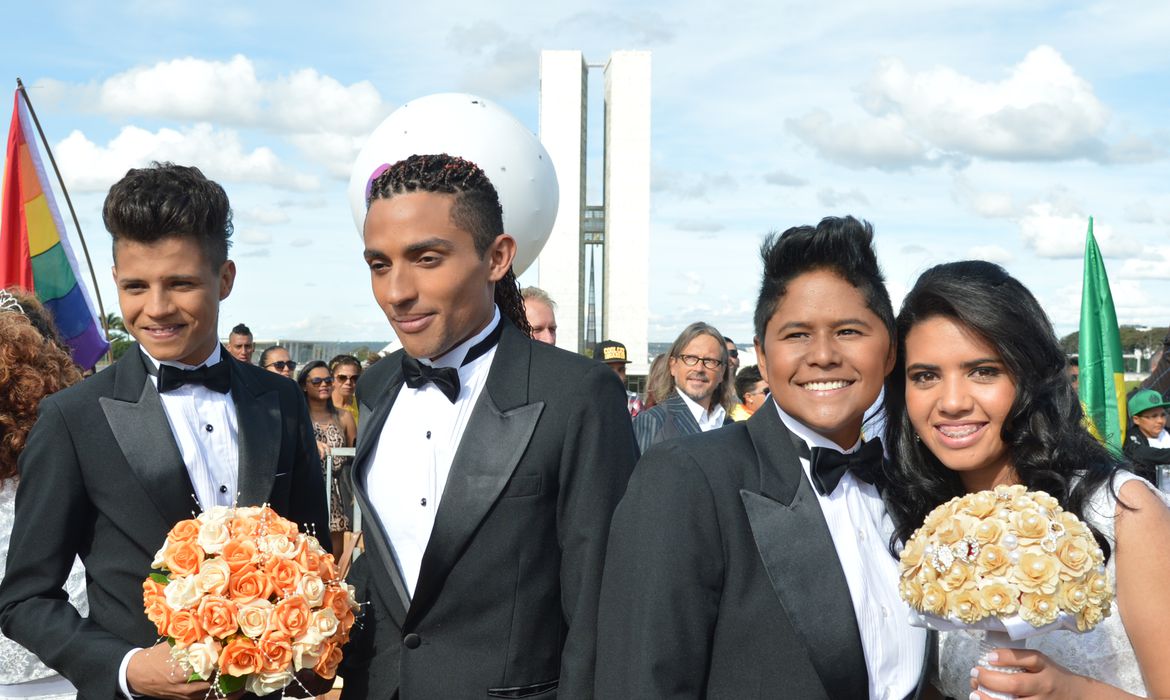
(194, 677)
(229, 684)
(159, 578)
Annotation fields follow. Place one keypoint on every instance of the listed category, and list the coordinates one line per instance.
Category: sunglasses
(733, 353)
(346, 378)
(283, 364)
(318, 381)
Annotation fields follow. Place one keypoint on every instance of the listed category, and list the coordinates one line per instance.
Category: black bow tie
(827, 465)
(217, 377)
(416, 374)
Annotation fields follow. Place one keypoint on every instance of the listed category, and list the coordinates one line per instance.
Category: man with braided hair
(487, 465)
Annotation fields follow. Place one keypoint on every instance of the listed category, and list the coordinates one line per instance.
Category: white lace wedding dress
(21, 674)
(1104, 653)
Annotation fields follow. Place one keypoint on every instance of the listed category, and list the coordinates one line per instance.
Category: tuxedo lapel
(374, 411)
(136, 418)
(259, 421)
(497, 434)
(798, 553)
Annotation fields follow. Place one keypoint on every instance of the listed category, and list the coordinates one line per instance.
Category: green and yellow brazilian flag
(1102, 381)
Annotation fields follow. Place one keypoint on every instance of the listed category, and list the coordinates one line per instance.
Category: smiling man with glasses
(698, 364)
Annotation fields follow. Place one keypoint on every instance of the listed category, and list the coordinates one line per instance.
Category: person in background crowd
(331, 428)
(276, 360)
(1074, 374)
(346, 369)
(32, 366)
(1147, 443)
(752, 391)
(240, 344)
(540, 310)
(613, 354)
(701, 392)
(659, 383)
(732, 355)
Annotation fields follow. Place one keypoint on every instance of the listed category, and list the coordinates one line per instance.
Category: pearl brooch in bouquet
(1010, 562)
(246, 600)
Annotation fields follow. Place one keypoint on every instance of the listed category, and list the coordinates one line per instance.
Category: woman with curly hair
(32, 365)
(979, 398)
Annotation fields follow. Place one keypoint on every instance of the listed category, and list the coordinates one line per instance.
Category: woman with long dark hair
(332, 428)
(979, 398)
(32, 366)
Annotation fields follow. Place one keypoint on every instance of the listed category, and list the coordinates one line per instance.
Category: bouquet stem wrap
(993, 640)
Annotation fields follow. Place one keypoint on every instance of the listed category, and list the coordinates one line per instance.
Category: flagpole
(68, 202)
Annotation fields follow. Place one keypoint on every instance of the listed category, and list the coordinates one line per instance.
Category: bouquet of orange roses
(246, 601)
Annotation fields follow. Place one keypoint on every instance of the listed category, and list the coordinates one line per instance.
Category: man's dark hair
(843, 246)
(476, 209)
(170, 201)
(746, 380)
(241, 329)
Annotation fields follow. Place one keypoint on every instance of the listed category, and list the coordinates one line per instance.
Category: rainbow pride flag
(34, 252)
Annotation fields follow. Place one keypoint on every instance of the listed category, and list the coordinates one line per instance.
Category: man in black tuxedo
(752, 561)
(488, 464)
(174, 426)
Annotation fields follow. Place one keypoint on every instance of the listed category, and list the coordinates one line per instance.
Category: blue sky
(979, 128)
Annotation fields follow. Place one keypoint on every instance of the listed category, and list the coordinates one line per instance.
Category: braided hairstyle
(476, 209)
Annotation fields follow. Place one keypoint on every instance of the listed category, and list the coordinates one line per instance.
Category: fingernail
(992, 657)
(973, 696)
(975, 673)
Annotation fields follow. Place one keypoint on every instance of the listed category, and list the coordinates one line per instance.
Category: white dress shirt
(1163, 440)
(707, 420)
(861, 528)
(408, 470)
(203, 423)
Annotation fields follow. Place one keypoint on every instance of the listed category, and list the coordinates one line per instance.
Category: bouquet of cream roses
(246, 601)
(1010, 562)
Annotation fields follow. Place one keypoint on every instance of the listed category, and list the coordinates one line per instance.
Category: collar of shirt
(1163, 440)
(706, 419)
(454, 356)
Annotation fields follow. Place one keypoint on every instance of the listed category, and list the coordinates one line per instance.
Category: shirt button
(861, 535)
(223, 488)
(428, 435)
(885, 613)
(423, 503)
(208, 427)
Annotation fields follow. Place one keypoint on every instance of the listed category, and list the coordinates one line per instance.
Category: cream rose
(280, 546)
(999, 598)
(202, 657)
(213, 536)
(306, 655)
(1030, 524)
(322, 626)
(159, 556)
(993, 560)
(264, 683)
(1038, 609)
(253, 617)
(966, 606)
(312, 588)
(213, 577)
(1038, 573)
(182, 593)
(1075, 557)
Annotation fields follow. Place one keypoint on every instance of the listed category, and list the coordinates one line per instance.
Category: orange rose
(291, 616)
(151, 590)
(337, 599)
(327, 568)
(240, 657)
(238, 553)
(244, 527)
(328, 662)
(276, 525)
(284, 574)
(184, 628)
(183, 558)
(276, 650)
(217, 616)
(159, 613)
(308, 558)
(184, 531)
(248, 584)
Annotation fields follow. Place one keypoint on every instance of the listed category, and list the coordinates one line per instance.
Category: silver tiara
(9, 302)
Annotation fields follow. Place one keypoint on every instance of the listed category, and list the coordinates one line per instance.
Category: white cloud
(1055, 232)
(991, 205)
(880, 143)
(699, 225)
(783, 179)
(501, 63)
(1042, 110)
(1154, 264)
(990, 253)
(267, 216)
(1139, 212)
(835, 198)
(88, 166)
(254, 237)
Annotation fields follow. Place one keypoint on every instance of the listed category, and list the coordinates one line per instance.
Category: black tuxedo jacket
(101, 477)
(721, 579)
(506, 601)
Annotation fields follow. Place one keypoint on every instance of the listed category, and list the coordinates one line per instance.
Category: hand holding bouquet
(246, 601)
